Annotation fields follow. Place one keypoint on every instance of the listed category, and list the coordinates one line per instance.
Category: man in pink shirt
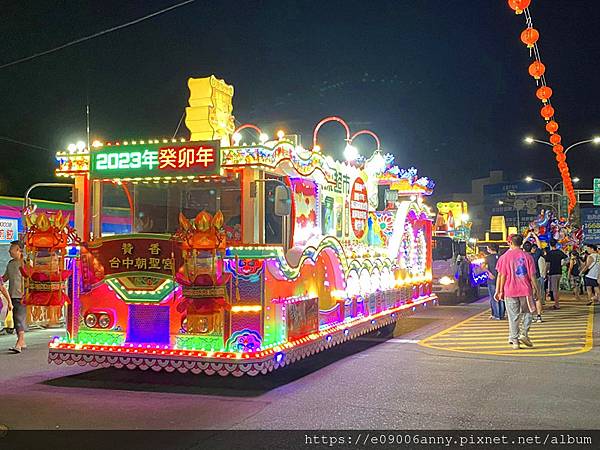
(517, 285)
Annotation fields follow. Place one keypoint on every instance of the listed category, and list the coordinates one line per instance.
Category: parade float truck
(239, 258)
(452, 244)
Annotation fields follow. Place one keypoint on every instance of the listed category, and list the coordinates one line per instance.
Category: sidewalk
(38, 337)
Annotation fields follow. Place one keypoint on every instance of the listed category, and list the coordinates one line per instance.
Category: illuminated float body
(215, 276)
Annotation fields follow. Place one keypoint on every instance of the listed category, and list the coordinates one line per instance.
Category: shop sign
(9, 230)
(342, 182)
(359, 208)
(156, 160)
(137, 255)
(590, 220)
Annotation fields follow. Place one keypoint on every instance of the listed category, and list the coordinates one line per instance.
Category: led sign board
(156, 160)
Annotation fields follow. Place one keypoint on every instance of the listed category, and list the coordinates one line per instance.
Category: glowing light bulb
(280, 134)
(350, 153)
(80, 145)
(237, 137)
(72, 148)
(264, 137)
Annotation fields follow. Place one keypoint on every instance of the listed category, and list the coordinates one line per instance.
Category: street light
(553, 188)
(594, 140)
(377, 161)
(350, 152)
(529, 179)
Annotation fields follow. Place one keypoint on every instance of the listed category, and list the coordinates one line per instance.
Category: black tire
(386, 331)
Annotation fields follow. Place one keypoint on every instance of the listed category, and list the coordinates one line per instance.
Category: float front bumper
(227, 363)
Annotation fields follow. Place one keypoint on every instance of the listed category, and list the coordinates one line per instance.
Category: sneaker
(555, 307)
(15, 349)
(525, 340)
(515, 345)
(539, 319)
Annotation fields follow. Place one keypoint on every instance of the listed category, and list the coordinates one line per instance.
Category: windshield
(441, 248)
(156, 206)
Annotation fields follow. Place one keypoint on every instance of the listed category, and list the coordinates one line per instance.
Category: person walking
(517, 286)
(555, 258)
(575, 273)
(15, 289)
(543, 268)
(497, 307)
(536, 254)
(4, 293)
(464, 282)
(591, 271)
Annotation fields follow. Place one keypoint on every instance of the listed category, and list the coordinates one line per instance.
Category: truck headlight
(446, 281)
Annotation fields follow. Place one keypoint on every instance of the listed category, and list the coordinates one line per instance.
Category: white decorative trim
(237, 368)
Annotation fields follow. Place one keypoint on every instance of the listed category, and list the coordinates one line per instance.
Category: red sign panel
(359, 207)
(132, 254)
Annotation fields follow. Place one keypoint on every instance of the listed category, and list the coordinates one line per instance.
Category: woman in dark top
(575, 273)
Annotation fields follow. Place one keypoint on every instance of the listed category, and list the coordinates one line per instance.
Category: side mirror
(283, 201)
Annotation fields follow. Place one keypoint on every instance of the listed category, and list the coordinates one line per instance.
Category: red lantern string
(537, 70)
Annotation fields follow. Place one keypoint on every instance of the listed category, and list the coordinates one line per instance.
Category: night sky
(443, 83)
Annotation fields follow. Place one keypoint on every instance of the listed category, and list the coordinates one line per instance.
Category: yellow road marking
(566, 331)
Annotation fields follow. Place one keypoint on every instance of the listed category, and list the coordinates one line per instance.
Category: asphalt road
(365, 384)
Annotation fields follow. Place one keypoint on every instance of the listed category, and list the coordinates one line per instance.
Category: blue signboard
(590, 219)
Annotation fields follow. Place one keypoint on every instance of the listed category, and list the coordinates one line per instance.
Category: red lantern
(544, 93)
(552, 127)
(561, 157)
(555, 139)
(530, 36)
(519, 5)
(558, 149)
(537, 69)
(547, 112)
(563, 166)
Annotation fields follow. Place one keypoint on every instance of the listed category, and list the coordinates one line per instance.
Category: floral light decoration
(530, 36)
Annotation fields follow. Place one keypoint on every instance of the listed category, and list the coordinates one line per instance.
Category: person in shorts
(15, 290)
(555, 258)
(591, 269)
(575, 273)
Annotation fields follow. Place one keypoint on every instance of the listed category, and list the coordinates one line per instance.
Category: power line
(92, 36)
(26, 144)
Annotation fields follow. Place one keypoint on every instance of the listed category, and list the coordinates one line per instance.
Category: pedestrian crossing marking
(566, 331)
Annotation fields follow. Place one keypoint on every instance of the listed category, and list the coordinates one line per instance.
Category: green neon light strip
(120, 237)
(155, 296)
(212, 343)
(101, 337)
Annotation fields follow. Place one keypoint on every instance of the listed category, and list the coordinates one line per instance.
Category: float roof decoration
(210, 153)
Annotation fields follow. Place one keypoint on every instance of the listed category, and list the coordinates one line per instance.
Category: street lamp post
(552, 188)
(594, 140)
